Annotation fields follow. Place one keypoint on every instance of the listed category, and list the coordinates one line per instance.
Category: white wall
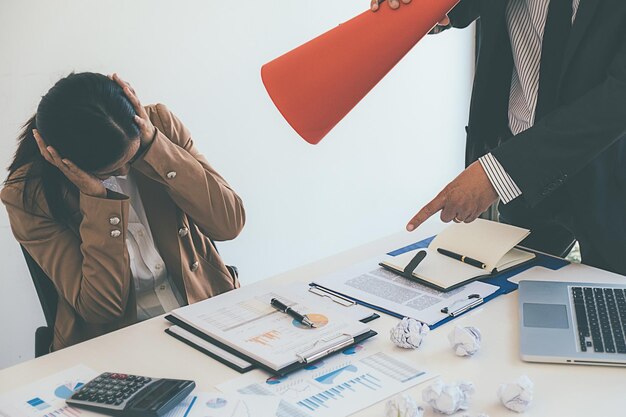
(202, 58)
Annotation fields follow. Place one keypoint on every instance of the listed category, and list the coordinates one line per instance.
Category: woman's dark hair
(89, 120)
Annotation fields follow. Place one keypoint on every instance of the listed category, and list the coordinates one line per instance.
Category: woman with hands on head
(118, 207)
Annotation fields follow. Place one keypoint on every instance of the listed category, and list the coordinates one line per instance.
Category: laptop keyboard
(600, 318)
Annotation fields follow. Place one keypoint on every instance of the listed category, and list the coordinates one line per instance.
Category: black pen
(462, 258)
(300, 318)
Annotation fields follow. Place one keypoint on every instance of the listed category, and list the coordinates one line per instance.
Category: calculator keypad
(111, 389)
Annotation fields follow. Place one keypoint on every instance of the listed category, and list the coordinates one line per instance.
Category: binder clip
(408, 271)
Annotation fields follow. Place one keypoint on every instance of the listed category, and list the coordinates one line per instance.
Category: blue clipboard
(500, 280)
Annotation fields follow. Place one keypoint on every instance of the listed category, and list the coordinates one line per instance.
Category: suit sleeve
(91, 271)
(464, 13)
(542, 158)
(461, 16)
(196, 188)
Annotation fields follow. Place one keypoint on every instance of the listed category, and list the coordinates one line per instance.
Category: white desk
(560, 390)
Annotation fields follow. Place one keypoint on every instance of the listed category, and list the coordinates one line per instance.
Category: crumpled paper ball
(517, 395)
(403, 405)
(448, 398)
(409, 333)
(465, 340)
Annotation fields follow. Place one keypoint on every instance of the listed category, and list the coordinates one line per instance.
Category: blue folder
(500, 280)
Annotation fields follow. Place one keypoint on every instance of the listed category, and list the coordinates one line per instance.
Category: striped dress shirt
(526, 21)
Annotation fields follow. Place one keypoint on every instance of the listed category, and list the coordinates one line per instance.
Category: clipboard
(190, 339)
(499, 280)
(308, 356)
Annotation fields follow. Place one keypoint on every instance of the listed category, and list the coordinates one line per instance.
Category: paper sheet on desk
(370, 283)
(215, 404)
(338, 386)
(46, 397)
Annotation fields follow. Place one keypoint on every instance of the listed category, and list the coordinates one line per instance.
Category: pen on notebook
(300, 318)
(462, 258)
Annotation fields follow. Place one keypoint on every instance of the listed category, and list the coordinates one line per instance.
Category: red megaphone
(315, 85)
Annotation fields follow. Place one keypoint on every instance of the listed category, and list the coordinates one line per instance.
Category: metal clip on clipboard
(477, 300)
(325, 347)
(334, 297)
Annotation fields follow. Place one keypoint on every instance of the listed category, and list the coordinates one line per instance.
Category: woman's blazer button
(195, 266)
(115, 233)
(183, 231)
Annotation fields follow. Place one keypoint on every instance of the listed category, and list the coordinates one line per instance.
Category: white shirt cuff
(505, 186)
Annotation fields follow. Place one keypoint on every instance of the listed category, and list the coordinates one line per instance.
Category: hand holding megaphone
(316, 84)
(394, 4)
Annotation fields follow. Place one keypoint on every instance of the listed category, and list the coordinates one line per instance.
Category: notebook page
(483, 240)
(514, 257)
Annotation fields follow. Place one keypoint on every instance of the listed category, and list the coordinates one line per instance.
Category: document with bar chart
(46, 397)
(338, 386)
(245, 321)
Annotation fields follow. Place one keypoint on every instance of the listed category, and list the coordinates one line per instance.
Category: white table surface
(560, 390)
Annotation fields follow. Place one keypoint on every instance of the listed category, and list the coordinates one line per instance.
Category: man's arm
(540, 159)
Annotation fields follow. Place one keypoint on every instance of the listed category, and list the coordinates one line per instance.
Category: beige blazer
(186, 203)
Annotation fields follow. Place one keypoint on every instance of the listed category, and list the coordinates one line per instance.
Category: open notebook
(491, 243)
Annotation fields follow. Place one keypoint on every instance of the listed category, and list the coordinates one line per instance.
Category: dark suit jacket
(578, 150)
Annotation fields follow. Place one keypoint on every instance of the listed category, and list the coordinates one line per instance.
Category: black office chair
(48, 298)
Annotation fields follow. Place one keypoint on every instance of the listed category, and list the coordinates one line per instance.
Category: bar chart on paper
(337, 386)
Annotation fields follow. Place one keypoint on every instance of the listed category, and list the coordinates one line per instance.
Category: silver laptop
(571, 322)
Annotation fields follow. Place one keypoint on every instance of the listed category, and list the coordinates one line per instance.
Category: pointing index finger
(426, 212)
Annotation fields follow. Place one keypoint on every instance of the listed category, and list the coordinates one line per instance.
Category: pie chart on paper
(65, 391)
(320, 320)
(217, 402)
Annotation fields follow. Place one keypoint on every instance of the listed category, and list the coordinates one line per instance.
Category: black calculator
(131, 395)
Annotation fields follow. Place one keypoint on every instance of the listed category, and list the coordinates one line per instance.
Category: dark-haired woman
(118, 207)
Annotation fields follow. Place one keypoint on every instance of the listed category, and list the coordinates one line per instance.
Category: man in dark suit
(547, 124)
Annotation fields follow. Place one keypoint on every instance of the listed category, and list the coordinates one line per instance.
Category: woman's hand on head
(85, 182)
(146, 128)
